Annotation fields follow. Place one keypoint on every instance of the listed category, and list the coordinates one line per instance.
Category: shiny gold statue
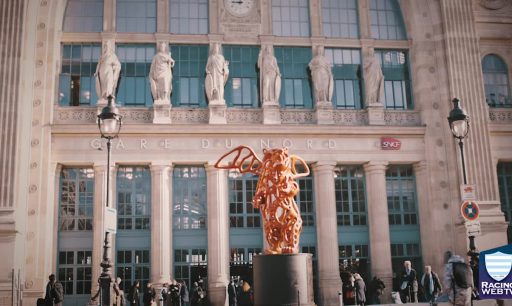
(274, 193)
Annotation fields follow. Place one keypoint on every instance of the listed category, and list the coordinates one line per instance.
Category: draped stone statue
(107, 71)
(160, 74)
(323, 83)
(270, 77)
(373, 80)
(217, 73)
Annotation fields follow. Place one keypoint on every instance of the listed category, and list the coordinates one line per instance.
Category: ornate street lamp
(109, 124)
(459, 125)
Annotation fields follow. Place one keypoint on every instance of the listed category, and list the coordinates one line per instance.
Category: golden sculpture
(275, 193)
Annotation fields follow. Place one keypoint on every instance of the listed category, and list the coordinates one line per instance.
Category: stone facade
(40, 137)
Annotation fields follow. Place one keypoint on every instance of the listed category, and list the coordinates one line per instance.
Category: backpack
(462, 275)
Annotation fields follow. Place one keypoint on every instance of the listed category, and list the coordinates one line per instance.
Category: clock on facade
(239, 8)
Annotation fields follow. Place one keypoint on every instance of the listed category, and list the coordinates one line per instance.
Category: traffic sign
(468, 192)
(469, 210)
(473, 228)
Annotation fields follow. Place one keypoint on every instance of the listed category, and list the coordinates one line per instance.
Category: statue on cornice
(217, 73)
(160, 74)
(270, 76)
(107, 72)
(323, 83)
(373, 80)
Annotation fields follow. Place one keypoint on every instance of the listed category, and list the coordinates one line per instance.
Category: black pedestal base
(283, 280)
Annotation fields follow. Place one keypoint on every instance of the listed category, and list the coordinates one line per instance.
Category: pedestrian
(149, 295)
(196, 295)
(349, 290)
(408, 284)
(174, 290)
(246, 298)
(458, 280)
(164, 294)
(118, 293)
(430, 285)
(360, 288)
(376, 290)
(232, 293)
(54, 294)
(184, 294)
(134, 295)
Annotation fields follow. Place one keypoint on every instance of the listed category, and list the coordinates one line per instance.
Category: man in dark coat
(133, 295)
(430, 285)
(149, 295)
(408, 284)
(184, 293)
(232, 293)
(54, 294)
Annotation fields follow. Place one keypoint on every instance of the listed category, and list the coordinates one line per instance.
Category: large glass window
(353, 258)
(386, 20)
(305, 198)
(350, 191)
(136, 16)
(346, 72)
(76, 79)
(340, 18)
(188, 16)
(83, 16)
(133, 89)
(241, 192)
(496, 81)
(290, 18)
(395, 67)
(190, 265)
(133, 265)
(133, 198)
(74, 271)
(401, 252)
(296, 87)
(189, 197)
(188, 75)
(505, 188)
(401, 195)
(76, 199)
(242, 85)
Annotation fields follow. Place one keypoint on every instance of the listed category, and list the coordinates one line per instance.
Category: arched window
(83, 16)
(496, 81)
(386, 20)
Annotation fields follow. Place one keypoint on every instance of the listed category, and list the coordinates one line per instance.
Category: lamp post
(109, 124)
(459, 125)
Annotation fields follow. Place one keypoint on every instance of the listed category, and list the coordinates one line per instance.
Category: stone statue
(373, 80)
(270, 77)
(160, 74)
(323, 83)
(217, 73)
(274, 195)
(107, 72)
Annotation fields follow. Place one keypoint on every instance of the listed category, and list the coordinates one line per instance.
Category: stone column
(98, 234)
(465, 81)
(218, 235)
(380, 244)
(327, 234)
(161, 242)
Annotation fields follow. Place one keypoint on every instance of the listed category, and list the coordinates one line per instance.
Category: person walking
(360, 288)
(174, 290)
(430, 285)
(458, 280)
(408, 284)
(246, 298)
(54, 295)
(376, 290)
(134, 295)
(232, 293)
(118, 293)
(184, 294)
(149, 295)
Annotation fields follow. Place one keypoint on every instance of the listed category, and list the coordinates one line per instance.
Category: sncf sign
(388, 143)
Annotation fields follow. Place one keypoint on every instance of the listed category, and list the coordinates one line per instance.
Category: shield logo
(498, 265)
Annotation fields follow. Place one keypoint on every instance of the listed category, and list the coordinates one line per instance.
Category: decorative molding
(402, 118)
(243, 115)
(74, 115)
(500, 115)
(350, 117)
(189, 115)
(137, 115)
(297, 116)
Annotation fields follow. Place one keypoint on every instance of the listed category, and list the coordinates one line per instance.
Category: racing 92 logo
(388, 143)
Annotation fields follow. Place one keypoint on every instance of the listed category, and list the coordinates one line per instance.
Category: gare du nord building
(364, 207)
